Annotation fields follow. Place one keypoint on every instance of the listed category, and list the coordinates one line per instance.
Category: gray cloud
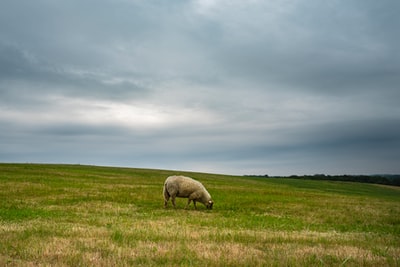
(271, 87)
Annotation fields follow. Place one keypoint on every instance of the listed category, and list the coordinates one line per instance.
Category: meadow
(75, 215)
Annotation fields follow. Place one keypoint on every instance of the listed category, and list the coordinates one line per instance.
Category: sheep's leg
(194, 203)
(166, 198)
(188, 203)
(173, 201)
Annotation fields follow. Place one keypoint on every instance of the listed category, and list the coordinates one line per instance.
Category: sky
(278, 87)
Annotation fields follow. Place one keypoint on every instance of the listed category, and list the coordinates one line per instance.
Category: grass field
(73, 215)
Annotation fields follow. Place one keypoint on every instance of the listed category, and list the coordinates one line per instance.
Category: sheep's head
(209, 204)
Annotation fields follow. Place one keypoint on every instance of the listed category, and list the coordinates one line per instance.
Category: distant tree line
(385, 179)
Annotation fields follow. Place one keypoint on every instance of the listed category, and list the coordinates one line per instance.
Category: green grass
(73, 215)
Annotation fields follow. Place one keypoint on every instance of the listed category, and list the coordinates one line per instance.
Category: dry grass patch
(228, 253)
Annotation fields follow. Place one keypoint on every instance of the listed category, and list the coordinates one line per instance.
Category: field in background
(73, 215)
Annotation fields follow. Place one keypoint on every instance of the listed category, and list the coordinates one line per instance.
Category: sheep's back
(185, 185)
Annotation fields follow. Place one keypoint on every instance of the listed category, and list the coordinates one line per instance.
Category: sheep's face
(209, 204)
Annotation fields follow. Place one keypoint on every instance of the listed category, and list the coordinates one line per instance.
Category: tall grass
(72, 215)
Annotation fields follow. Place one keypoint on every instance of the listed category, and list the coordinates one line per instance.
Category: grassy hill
(73, 215)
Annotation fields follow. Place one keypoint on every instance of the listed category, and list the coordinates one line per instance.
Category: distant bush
(373, 179)
(385, 179)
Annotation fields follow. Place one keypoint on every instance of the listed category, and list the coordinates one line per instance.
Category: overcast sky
(275, 87)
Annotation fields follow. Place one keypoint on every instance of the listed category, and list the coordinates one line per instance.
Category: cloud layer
(257, 87)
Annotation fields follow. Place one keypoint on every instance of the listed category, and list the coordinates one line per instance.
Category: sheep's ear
(210, 201)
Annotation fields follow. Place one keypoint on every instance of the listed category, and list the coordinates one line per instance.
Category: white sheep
(186, 187)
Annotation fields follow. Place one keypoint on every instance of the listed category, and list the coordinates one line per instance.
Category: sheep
(186, 187)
